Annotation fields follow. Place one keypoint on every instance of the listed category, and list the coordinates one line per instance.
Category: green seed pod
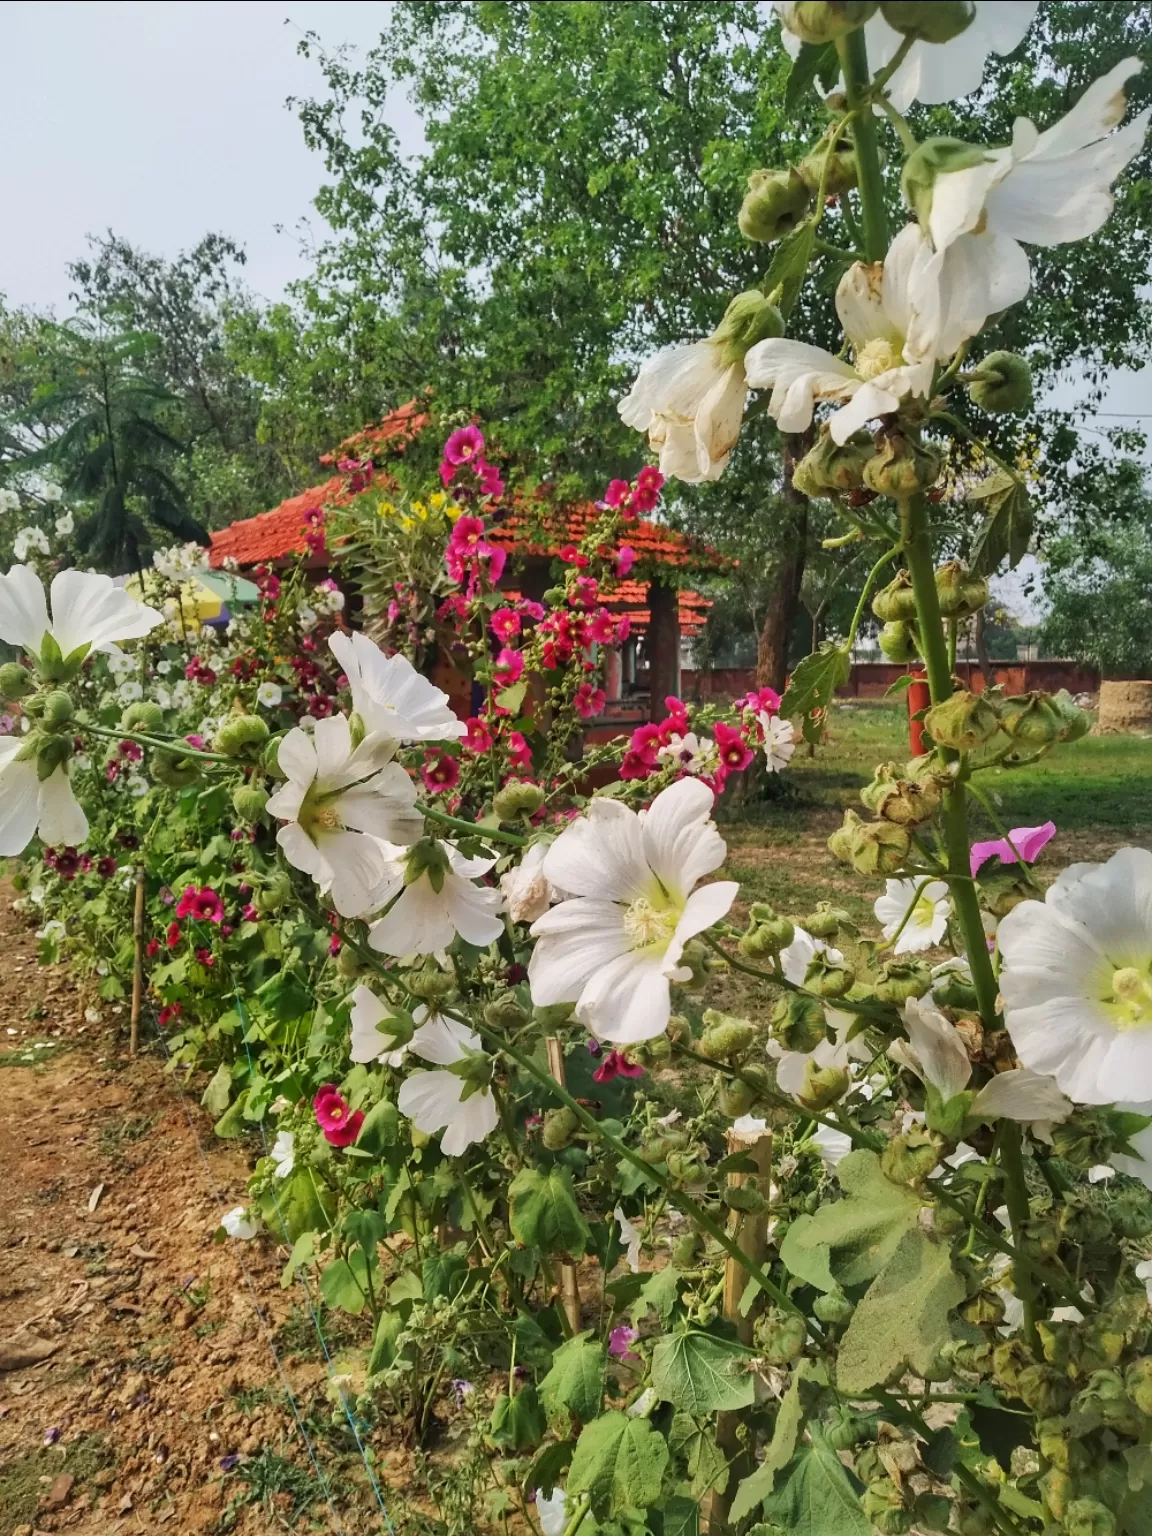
(872, 848)
(551, 1016)
(240, 732)
(348, 963)
(656, 1048)
(822, 1086)
(901, 979)
(432, 985)
(744, 1197)
(931, 21)
(836, 171)
(959, 592)
(827, 921)
(749, 318)
(679, 1029)
(560, 1126)
(1088, 1517)
(952, 991)
(270, 758)
(1082, 1140)
(173, 769)
(1074, 721)
(798, 1022)
(932, 1511)
(906, 802)
(909, 1158)
(963, 722)
(896, 603)
(16, 682)
(1138, 1382)
(828, 978)
(685, 1167)
(780, 1336)
(248, 801)
(1002, 383)
(1132, 1213)
(504, 1012)
(724, 1037)
(517, 799)
(883, 1504)
(822, 21)
(935, 157)
(897, 641)
(697, 960)
(735, 1098)
(984, 1309)
(51, 752)
(759, 944)
(1044, 1389)
(274, 892)
(57, 710)
(902, 468)
(977, 1521)
(142, 716)
(685, 1248)
(1056, 1489)
(776, 201)
(1031, 719)
(832, 469)
(834, 1307)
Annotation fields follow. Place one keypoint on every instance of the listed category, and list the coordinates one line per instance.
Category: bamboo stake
(569, 1285)
(138, 961)
(751, 1234)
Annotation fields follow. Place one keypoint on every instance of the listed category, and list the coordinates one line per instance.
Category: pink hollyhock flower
(625, 560)
(314, 541)
(519, 752)
(649, 484)
(106, 867)
(572, 556)
(1028, 842)
(623, 630)
(321, 706)
(196, 741)
(112, 771)
(735, 753)
(206, 957)
(441, 772)
(759, 701)
(479, 737)
(505, 624)
(86, 863)
(589, 701)
(67, 863)
(616, 1064)
(636, 765)
(447, 473)
(617, 493)
(620, 1342)
(152, 948)
(170, 1013)
(492, 560)
(200, 901)
(531, 610)
(467, 534)
(340, 1125)
(509, 668)
(491, 482)
(601, 627)
(130, 750)
(464, 444)
(249, 913)
(172, 936)
(587, 588)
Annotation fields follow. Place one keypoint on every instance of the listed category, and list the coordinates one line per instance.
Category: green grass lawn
(1098, 791)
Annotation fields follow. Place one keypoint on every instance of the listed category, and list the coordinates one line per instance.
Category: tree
(1100, 610)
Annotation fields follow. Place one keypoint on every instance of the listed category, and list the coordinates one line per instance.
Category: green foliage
(817, 1495)
(619, 1462)
(543, 1212)
(575, 1383)
(849, 1241)
(701, 1372)
(1098, 594)
(902, 1317)
(782, 1447)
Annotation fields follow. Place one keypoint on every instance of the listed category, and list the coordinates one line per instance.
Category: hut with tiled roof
(533, 530)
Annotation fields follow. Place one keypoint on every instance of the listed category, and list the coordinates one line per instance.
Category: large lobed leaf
(848, 1242)
(903, 1318)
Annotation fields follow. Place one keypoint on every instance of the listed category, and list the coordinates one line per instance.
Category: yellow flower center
(923, 913)
(1131, 997)
(876, 357)
(648, 926)
(318, 816)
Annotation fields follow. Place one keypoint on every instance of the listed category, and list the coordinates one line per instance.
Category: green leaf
(543, 1211)
(782, 1447)
(344, 1283)
(443, 1275)
(790, 264)
(619, 1462)
(681, 1517)
(814, 680)
(232, 1122)
(549, 1465)
(303, 1251)
(812, 60)
(512, 698)
(300, 1204)
(706, 1463)
(575, 1384)
(700, 1373)
(388, 1330)
(517, 1423)
(218, 1094)
(380, 1129)
(1007, 528)
(817, 1495)
(903, 1317)
(660, 1292)
(849, 1241)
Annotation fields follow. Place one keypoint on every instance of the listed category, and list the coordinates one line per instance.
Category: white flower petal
(627, 1000)
(1022, 1095)
(679, 840)
(23, 610)
(62, 818)
(575, 938)
(88, 609)
(938, 1047)
(19, 798)
(389, 694)
(798, 375)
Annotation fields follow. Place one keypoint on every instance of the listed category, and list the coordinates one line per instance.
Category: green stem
(489, 834)
(1016, 1197)
(889, 554)
(579, 1516)
(857, 83)
(176, 745)
(883, 1014)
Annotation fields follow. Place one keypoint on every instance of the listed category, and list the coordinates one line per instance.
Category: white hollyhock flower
(1044, 188)
(936, 1053)
(9, 500)
(838, 1051)
(29, 539)
(930, 911)
(690, 401)
(1143, 1271)
(630, 1239)
(371, 1039)
(833, 1146)
(237, 1223)
(779, 741)
(130, 692)
(65, 524)
(52, 492)
(527, 889)
(691, 753)
(939, 72)
(1076, 978)
(339, 803)
(31, 805)
(425, 916)
(391, 697)
(269, 694)
(460, 1106)
(88, 612)
(552, 1512)
(616, 946)
(283, 1153)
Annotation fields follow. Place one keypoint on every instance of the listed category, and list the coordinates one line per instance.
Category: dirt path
(148, 1393)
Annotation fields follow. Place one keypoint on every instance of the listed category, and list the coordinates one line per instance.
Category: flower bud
(426, 857)
(432, 985)
(909, 1158)
(959, 592)
(560, 1126)
(902, 468)
(248, 801)
(1088, 1517)
(748, 319)
(901, 979)
(828, 978)
(1003, 382)
(655, 1048)
(822, 1086)
(550, 1016)
(822, 21)
(883, 1504)
(724, 1037)
(686, 1248)
(776, 201)
(1132, 1214)
(768, 935)
(930, 21)
(962, 722)
(897, 601)
(144, 715)
(735, 1098)
(239, 732)
(872, 848)
(952, 991)
(935, 157)
(273, 893)
(798, 1022)
(270, 759)
(518, 799)
(832, 468)
(780, 1336)
(1045, 1389)
(348, 963)
(834, 1307)
(56, 711)
(835, 169)
(906, 802)
(16, 682)
(174, 769)
(746, 1198)
(1031, 719)
(827, 921)
(357, 730)
(898, 642)
(685, 1167)
(51, 751)
(697, 960)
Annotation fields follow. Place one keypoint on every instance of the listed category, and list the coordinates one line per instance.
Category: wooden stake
(569, 1285)
(751, 1234)
(138, 961)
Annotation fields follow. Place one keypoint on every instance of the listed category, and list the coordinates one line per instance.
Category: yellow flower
(452, 512)
(406, 525)
(437, 500)
(386, 509)
(420, 510)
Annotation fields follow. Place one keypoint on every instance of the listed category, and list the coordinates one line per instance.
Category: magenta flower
(106, 867)
(617, 493)
(339, 1124)
(620, 1342)
(464, 444)
(249, 913)
(441, 772)
(588, 701)
(616, 1064)
(519, 752)
(531, 609)
(505, 624)
(625, 560)
(202, 902)
(479, 737)
(1028, 842)
(491, 481)
(735, 752)
(509, 668)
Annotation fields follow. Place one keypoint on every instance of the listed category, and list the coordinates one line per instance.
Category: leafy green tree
(1100, 609)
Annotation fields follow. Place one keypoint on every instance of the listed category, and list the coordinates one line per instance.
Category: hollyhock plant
(588, 701)
(433, 897)
(616, 1064)
(464, 445)
(456, 1100)
(89, 612)
(440, 772)
(614, 948)
(339, 1124)
(202, 903)
(625, 560)
(508, 668)
(734, 752)
(505, 624)
(390, 696)
(915, 913)
(478, 737)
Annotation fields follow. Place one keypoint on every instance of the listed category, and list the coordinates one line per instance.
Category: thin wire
(216, 1195)
(311, 1306)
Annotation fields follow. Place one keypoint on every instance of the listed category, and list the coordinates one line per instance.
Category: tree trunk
(780, 620)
